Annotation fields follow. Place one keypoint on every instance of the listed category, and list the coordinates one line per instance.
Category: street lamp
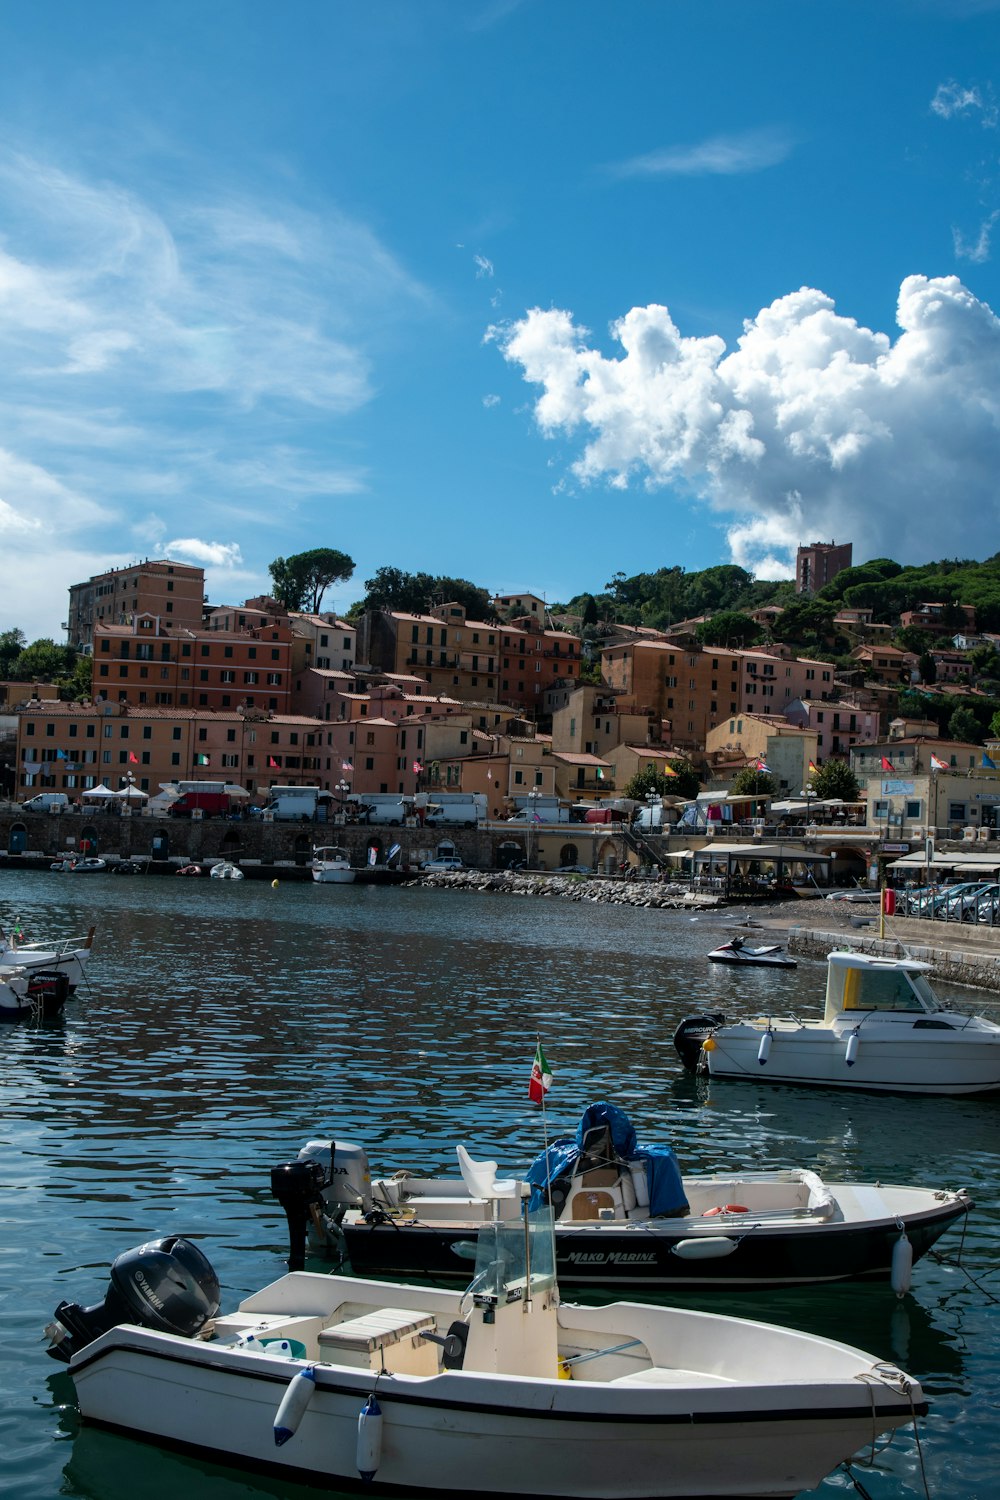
(533, 797)
(343, 787)
(807, 792)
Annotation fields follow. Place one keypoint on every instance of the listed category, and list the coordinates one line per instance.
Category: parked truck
(466, 808)
(295, 804)
(209, 798)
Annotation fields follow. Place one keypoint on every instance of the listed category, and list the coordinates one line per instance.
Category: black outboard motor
(48, 990)
(298, 1187)
(691, 1033)
(167, 1285)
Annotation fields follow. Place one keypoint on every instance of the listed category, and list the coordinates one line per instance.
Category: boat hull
(645, 1256)
(333, 877)
(71, 962)
(947, 1062)
(460, 1432)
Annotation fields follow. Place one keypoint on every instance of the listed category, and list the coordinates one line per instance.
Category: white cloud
(208, 554)
(720, 155)
(484, 267)
(979, 250)
(491, 400)
(812, 426)
(952, 99)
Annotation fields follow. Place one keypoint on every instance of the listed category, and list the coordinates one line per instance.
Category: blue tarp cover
(663, 1176)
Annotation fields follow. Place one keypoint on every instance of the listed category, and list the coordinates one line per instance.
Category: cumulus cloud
(720, 155)
(208, 554)
(812, 426)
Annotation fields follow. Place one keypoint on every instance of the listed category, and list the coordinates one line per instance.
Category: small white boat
(32, 995)
(883, 1029)
(68, 956)
(74, 864)
(625, 1216)
(224, 869)
(737, 951)
(331, 865)
(498, 1390)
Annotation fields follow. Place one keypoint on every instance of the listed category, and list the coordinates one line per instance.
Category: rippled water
(224, 1024)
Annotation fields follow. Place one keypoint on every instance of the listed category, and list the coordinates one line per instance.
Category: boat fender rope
(893, 1378)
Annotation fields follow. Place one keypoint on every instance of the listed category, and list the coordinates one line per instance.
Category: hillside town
(261, 696)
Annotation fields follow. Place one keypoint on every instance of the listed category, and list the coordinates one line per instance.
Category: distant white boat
(331, 865)
(883, 1029)
(224, 869)
(499, 1390)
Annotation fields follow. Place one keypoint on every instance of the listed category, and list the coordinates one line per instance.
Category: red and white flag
(541, 1077)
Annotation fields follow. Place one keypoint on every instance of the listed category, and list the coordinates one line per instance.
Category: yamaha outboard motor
(166, 1285)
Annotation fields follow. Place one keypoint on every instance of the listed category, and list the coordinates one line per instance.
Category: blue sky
(525, 291)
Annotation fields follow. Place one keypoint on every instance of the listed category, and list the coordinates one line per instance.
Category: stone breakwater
(608, 892)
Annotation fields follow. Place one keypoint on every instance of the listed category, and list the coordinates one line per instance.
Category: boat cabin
(860, 982)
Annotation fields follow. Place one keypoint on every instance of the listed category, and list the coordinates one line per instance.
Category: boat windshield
(889, 989)
(515, 1257)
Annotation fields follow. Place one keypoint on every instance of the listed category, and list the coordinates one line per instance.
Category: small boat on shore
(500, 1389)
(331, 865)
(883, 1029)
(75, 864)
(224, 869)
(624, 1216)
(737, 951)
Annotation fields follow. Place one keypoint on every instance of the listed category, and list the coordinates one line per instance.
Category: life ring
(726, 1208)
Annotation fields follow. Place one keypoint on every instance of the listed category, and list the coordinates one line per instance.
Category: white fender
(764, 1050)
(902, 1265)
(713, 1247)
(369, 1449)
(298, 1394)
(851, 1051)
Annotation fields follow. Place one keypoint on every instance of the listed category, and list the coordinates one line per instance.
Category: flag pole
(548, 1172)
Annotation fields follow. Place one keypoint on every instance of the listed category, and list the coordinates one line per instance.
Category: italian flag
(541, 1077)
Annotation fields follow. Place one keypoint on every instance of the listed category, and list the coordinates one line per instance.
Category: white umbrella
(130, 792)
(98, 791)
(232, 789)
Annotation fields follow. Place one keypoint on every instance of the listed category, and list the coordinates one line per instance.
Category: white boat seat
(480, 1177)
(376, 1329)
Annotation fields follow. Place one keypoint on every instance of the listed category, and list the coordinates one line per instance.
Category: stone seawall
(607, 891)
(972, 964)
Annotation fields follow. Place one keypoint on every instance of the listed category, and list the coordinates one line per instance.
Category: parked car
(446, 862)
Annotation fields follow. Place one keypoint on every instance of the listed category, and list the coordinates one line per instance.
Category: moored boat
(498, 1390)
(224, 869)
(625, 1217)
(27, 994)
(69, 956)
(331, 865)
(883, 1029)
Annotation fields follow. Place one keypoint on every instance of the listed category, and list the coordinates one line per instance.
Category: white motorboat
(224, 869)
(767, 956)
(37, 995)
(331, 865)
(498, 1390)
(624, 1216)
(75, 864)
(68, 956)
(883, 1029)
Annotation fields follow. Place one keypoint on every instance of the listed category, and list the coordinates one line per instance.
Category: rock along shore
(606, 891)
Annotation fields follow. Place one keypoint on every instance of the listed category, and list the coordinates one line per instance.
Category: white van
(465, 808)
(47, 802)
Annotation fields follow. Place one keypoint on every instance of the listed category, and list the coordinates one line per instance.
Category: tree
(589, 610)
(43, 661)
(964, 725)
(835, 779)
(729, 628)
(12, 643)
(927, 668)
(652, 781)
(300, 581)
(415, 593)
(753, 783)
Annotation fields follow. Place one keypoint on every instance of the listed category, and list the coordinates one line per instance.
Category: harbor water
(224, 1024)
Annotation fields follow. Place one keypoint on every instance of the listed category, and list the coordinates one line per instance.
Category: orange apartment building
(693, 687)
(771, 683)
(76, 746)
(148, 664)
(514, 663)
(169, 591)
